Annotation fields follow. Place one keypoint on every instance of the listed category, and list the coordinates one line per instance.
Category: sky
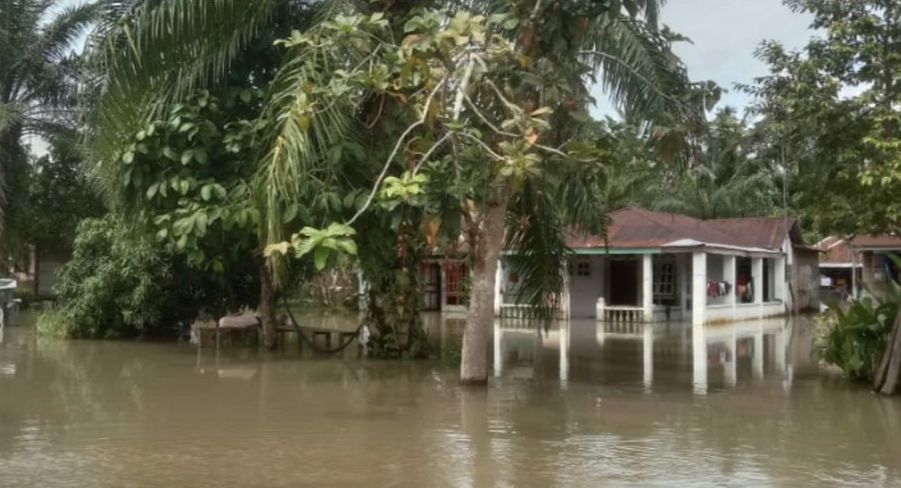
(724, 35)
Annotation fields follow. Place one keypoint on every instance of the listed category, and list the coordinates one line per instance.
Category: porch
(685, 282)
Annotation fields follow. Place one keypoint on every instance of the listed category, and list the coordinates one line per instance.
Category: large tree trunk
(487, 242)
(888, 377)
(267, 307)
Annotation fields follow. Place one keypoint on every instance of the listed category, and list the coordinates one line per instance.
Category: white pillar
(729, 274)
(698, 288)
(680, 282)
(757, 275)
(499, 287)
(647, 354)
(599, 308)
(498, 349)
(779, 284)
(853, 274)
(647, 287)
(566, 299)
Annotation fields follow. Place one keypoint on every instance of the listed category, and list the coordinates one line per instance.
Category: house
(36, 270)
(858, 266)
(655, 266)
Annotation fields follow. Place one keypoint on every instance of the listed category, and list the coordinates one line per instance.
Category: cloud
(724, 35)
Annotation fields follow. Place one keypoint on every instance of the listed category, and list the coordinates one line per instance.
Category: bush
(854, 337)
(118, 284)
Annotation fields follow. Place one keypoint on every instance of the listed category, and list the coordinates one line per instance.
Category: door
(624, 282)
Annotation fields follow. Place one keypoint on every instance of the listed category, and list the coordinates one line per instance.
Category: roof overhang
(876, 248)
(683, 245)
(840, 265)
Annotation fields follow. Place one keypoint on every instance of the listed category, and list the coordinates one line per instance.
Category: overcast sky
(724, 35)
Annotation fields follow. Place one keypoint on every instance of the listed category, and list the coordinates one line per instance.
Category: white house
(655, 266)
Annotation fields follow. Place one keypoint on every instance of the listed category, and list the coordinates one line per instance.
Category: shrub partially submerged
(117, 284)
(853, 337)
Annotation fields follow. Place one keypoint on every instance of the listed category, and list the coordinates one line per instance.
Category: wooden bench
(317, 333)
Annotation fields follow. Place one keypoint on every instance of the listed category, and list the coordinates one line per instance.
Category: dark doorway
(624, 282)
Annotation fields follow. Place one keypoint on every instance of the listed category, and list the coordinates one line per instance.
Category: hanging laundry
(716, 289)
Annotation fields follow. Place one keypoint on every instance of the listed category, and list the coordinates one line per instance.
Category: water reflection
(578, 404)
(665, 355)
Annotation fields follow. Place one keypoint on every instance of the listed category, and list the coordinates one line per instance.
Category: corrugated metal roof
(886, 241)
(632, 228)
(837, 250)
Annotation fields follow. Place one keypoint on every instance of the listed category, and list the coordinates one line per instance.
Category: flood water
(583, 404)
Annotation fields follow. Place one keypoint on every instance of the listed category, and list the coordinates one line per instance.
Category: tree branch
(397, 146)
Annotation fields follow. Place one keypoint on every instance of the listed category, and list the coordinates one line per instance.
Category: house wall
(805, 281)
(48, 271)
(584, 291)
(743, 311)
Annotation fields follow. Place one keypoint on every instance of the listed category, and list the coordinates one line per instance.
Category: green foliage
(187, 174)
(324, 245)
(854, 338)
(118, 284)
(830, 111)
(58, 199)
(725, 179)
(38, 78)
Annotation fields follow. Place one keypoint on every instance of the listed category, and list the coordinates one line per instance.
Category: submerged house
(655, 266)
(858, 266)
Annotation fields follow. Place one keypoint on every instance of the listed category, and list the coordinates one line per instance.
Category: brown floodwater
(583, 404)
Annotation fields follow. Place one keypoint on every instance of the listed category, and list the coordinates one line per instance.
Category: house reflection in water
(655, 357)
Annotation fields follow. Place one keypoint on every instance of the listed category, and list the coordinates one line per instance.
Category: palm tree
(728, 181)
(38, 74)
(180, 44)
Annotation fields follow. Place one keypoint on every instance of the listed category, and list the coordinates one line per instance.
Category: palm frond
(66, 26)
(301, 131)
(536, 248)
(634, 64)
(159, 53)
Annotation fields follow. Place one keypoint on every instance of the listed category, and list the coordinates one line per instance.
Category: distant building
(36, 270)
(656, 266)
(858, 266)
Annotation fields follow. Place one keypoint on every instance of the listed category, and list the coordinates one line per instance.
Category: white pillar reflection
(600, 334)
(564, 351)
(781, 351)
(699, 359)
(647, 354)
(757, 363)
(730, 361)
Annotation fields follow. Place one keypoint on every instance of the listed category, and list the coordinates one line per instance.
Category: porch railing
(619, 313)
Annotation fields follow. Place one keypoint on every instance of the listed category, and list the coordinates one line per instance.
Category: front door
(624, 282)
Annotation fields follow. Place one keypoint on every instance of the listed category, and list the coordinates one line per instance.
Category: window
(664, 279)
(583, 268)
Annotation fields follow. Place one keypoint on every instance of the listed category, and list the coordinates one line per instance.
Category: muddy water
(579, 405)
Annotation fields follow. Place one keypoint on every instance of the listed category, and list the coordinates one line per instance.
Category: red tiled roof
(638, 228)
